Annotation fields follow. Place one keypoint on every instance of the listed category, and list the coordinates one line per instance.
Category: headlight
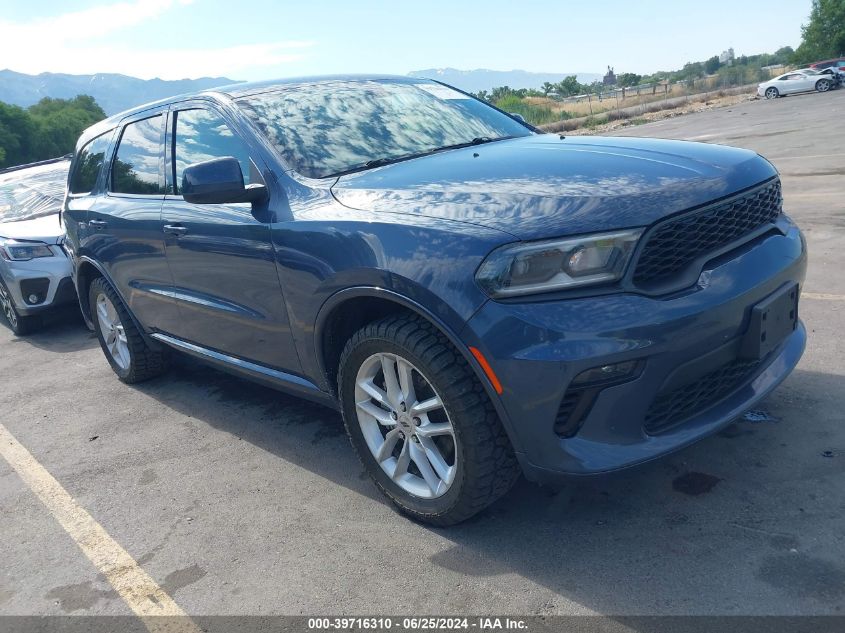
(557, 264)
(24, 251)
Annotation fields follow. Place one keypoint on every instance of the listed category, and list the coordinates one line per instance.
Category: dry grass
(603, 124)
(584, 107)
(634, 110)
(594, 106)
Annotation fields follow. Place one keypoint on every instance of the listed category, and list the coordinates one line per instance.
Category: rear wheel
(822, 85)
(126, 350)
(421, 422)
(20, 324)
(772, 93)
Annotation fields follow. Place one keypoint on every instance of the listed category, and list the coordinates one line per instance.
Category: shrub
(534, 114)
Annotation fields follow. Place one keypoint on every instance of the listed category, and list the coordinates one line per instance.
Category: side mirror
(219, 181)
(517, 116)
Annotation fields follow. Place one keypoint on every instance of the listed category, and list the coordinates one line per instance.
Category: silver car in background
(802, 80)
(35, 272)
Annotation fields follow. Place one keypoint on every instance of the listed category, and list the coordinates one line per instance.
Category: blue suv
(478, 299)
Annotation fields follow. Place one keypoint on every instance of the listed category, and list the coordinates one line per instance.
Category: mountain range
(113, 92)
(116, 92)
(484, 79)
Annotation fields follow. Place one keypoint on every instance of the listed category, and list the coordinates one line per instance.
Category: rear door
(124, 225)
(85, 182)
(221, 255)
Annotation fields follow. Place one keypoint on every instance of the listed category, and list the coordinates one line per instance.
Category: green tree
(712, 65)
(629, 80)
(61, 121)
(500, 92)
(17, 135)
(824, 35)
(691, 70)
(547, 88)
(48, 129)
(783, 55)
(569, 87)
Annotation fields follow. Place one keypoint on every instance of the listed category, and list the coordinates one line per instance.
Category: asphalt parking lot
(237, 499)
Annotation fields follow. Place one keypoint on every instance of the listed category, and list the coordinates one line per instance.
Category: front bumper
(49, 278)
(537, 348)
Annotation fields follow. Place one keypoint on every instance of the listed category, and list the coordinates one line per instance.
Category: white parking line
(793, 157)
(822, 296)
(146, 599)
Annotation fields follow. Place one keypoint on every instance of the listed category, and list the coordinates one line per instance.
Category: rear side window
(136, 164)
(202, 135)
(89, 161)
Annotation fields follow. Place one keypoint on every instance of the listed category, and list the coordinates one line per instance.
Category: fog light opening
(615, 372)
(32, 299)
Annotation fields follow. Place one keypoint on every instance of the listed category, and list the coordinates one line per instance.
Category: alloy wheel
(7, 307)
(113, 331)
(771, 93)
(405, 425)
(823, 86)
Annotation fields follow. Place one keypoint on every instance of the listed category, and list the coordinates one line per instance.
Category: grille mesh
(673, 407)
(676, 243)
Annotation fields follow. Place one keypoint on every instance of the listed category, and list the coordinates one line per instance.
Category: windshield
(328, 128)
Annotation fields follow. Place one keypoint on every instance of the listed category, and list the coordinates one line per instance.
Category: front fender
(446, 320)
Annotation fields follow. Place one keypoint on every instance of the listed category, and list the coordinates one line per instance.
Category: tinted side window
(202, 135)
(136, 164)
(88, 163)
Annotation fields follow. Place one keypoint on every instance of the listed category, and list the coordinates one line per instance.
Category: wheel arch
(86, 271)
(85, 274)
(350, 309)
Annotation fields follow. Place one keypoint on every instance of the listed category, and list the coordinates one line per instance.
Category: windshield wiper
(381, 162)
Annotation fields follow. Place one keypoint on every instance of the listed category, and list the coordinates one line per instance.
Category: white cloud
(68, 43)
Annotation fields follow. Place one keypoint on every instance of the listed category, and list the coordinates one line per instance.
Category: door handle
(97, 225)
(175, 229)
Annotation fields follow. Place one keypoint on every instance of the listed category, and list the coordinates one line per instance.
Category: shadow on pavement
(753, 505)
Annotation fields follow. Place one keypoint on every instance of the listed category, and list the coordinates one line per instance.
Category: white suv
(35, 273)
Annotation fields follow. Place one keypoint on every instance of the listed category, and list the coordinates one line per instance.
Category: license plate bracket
(772, 320)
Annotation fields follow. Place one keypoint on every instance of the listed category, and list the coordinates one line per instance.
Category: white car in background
(35, 272)
(803, 80)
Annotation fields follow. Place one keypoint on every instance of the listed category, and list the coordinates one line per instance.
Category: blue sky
(255, 39)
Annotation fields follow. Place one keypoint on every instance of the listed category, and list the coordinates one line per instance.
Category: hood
(46, 229)
(544, 186)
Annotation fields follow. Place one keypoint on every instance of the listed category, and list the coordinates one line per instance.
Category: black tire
(822, 85)
(486, 465)
(772, 93)
(20, 324)
(144, 361)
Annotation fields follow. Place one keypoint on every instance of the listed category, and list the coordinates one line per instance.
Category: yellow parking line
(822, 296)
(133, 584)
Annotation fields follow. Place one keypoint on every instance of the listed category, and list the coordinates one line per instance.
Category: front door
(221, 255)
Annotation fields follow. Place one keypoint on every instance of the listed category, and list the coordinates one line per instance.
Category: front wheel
(772, 93)
(421, 422)
(822, 85)
(125, 348)
(20, 324)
